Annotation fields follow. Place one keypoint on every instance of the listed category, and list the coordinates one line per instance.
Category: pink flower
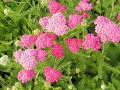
(74, 20)
(44, 21)
(45, 40)
(51, 74)
(18, 54)
(57, 50)
(107, 30)
(84, 5)
(26, 75)
(74, 44)
(41, 55)
(27, 59)
(57, 24)
(55, 7)
(27, 40)
(91, 42)
(118, 16)
(85, 14)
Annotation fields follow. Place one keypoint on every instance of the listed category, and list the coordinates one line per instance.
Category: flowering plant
(59, 45)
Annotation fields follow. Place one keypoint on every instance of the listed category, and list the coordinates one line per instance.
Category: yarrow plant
(63, 44)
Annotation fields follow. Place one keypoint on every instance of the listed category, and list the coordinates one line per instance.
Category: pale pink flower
(107, 30)
(57, 50)
(91, 42)
(74, 44)
(45, 40)
(51, 74)
(118, 16)
(74, 20)
(55, 7)
(27, 59)
(84, 5)
(44, 21)
(27, 40)
(57, 24)
(18, 54)
(26, 75)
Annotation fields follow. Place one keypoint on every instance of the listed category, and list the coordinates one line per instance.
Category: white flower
(6, 11)
(70, 87)
(103, 87)
(4, 60)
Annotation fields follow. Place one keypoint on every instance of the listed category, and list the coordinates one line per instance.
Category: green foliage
(84, 70)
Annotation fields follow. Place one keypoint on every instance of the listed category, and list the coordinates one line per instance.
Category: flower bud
(103, 87)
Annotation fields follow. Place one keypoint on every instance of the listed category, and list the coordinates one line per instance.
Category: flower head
(57, 50)
(55, 7)
(27, 40)
(6, 11)
(4, 60)
(57, 24)
(74, 44)
(91, 42)
(118, 16)
(25, 75)
(44, 21)
(107, 30)
(51, 74)
(84, 5)
(74, 20)
(45, 40)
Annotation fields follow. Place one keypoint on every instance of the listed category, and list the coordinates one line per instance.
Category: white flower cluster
(6, 11)
(4, 60)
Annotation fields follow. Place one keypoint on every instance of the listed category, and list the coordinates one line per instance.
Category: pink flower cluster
(91, 42)
(57, 50)
(84, 5)
(57, 24)
(45, 40)
(107, 30)
(74, 19)
(28, 58)
(74, 44)
(55, 7)
(25, 75)
(44, 21)
(51, 74)
(27, 40)
(118, 16)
